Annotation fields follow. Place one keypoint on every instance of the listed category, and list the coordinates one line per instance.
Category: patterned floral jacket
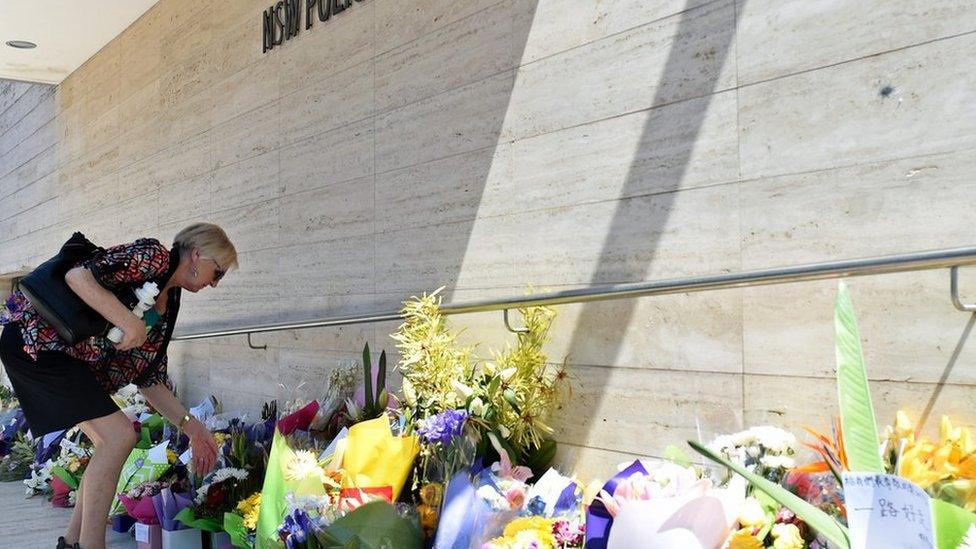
(119, 268)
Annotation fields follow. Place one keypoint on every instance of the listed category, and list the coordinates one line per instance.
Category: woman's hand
(134, 333)
(204, 446)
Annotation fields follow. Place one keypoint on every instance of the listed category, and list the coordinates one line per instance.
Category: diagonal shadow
(631, 225)
(946, 372)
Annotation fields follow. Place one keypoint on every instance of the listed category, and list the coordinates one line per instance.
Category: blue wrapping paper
(598, 520)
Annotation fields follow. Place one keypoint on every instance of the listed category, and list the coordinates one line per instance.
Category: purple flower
(443, 427)
(295, 530)
(536, 506)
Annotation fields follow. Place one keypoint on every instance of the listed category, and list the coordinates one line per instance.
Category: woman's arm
(81, 281)
(201, 440)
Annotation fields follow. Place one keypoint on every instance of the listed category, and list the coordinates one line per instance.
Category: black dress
(57, 390)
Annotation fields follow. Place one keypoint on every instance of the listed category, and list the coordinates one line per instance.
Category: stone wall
(488, 145)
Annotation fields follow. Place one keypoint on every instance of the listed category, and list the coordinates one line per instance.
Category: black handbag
(58, 304)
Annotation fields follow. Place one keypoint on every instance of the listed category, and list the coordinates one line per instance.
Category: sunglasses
(219, 272)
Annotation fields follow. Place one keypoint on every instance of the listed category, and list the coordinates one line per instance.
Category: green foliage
(16, 465)
(430, 358)
(512, 395)
(376, 525)
(374, 403)
(856, 410)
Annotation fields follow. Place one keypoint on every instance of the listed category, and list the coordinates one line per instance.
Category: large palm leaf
(856, 410)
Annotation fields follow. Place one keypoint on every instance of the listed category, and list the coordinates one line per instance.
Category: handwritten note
(887, 511)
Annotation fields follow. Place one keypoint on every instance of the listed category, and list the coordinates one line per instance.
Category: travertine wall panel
(488, 145)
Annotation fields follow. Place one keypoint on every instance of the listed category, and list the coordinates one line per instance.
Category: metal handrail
(935, 259)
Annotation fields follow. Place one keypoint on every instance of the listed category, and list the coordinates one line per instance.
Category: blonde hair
(211, 240)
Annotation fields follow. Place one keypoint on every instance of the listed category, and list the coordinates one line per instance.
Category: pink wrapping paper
(141, 509)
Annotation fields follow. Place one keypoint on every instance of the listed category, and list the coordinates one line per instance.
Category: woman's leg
(74, 527)
(114, 439)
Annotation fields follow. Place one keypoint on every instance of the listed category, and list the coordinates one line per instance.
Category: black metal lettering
(309, 6)
(325, 10)
(338, 6)
(293, 18)
(279, 23)
(268, 30)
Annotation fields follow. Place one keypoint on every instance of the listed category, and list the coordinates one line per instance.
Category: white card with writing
(142, 532)
(887, 511)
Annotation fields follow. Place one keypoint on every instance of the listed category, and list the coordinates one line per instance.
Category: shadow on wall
(937, 390)
(630, 226)
(700, 41)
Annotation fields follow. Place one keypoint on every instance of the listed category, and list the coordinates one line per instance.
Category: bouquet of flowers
(477, 508)
(945, 468)
(131, 402)
(333, 414)
(60, 475)
(305, 518)
(138, 501)
(511, 396)
(219, 494)
(242, 523)
(376, 459)
(765, 450)
(296, 472)
(862, 454)
(12, 425)
(663, 504)
(142, 465)
(8, 400)
(551, 517)
(448, 450)
(17, 463)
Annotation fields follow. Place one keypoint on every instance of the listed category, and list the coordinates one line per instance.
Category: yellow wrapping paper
(373, 458)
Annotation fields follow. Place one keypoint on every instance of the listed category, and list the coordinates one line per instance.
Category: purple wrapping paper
(567, 501)
(456, 520)
(49, 443)
(598, 520)
(467, 520)
(167, 505)
(122, 523)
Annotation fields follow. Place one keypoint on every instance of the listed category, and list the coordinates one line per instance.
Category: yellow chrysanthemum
(524, 539)
(304, 465)
(221, 438)
(744, 539)
(528, 523)
(249, 509)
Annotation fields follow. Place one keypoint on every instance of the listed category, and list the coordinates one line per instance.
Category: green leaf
(539, 459)
(234, 526)
(817, 519)
(951, 524)
(512, 399)
(375, 525)
(856, 409)
(369, 401)
(381, 375)
(65, 476)
(676, 455)
(189, 518)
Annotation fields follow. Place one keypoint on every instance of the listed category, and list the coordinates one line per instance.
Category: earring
(193, 272)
